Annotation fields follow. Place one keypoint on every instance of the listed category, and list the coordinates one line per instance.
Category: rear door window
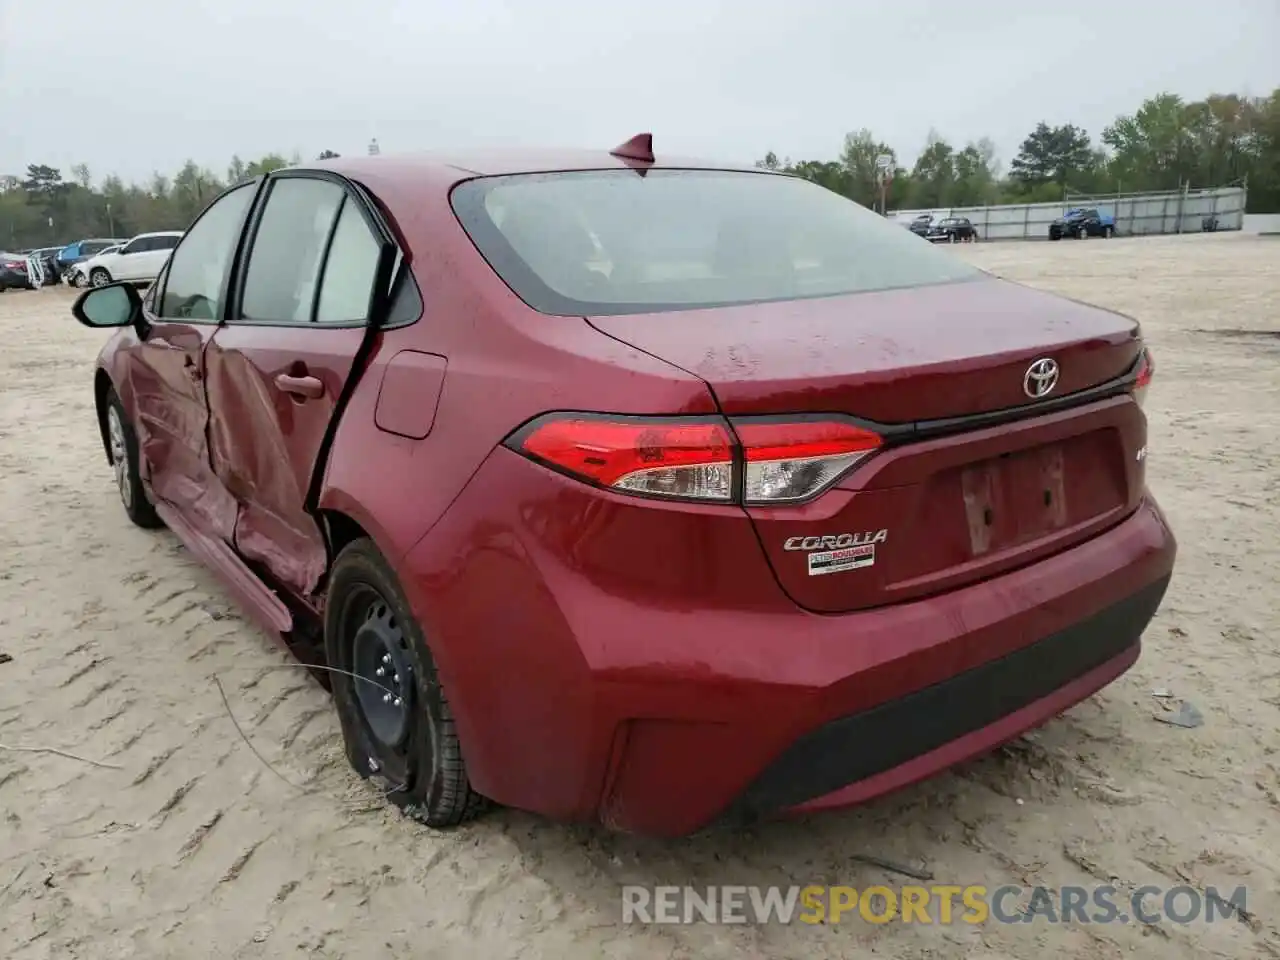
(350, 270)
(288, 249)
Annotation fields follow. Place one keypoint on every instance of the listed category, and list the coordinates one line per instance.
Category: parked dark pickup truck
(1082, 222)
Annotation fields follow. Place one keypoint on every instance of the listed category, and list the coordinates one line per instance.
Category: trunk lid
(932, 511)
(893, 356)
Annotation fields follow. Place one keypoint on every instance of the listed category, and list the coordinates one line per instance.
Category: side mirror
(115, 305)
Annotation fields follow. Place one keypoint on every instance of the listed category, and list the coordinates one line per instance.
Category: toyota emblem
(1040, 379)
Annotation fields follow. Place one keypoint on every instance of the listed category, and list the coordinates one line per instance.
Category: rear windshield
(615, 242)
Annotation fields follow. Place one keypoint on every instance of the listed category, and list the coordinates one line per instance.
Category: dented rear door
(278, 369)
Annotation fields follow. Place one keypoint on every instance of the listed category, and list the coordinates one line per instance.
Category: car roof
(157, 233)
(464, 165)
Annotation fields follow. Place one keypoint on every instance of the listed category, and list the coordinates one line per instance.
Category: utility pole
(374, 150)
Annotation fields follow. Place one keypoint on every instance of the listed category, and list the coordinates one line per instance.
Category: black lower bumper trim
(861, 745)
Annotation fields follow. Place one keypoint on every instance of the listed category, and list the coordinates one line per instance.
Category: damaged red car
(624, 488)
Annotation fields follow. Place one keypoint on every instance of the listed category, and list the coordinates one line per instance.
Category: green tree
(975, 175)
(933, 178)
(826, 173)
(770, 162)
(1052, 154)
(859, 161)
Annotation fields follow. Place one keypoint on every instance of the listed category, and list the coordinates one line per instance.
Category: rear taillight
(686, 459)
(787, 461)
(1146, 369)
(757, 460)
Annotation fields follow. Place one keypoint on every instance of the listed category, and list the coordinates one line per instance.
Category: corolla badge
(836, 541)
(1040, 379)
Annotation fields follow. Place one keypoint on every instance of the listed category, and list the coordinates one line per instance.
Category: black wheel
(123, 445)
(98, 277)
(395, 717)
(1108, 232)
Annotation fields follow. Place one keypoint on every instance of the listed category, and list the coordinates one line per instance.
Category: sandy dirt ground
(189, 846)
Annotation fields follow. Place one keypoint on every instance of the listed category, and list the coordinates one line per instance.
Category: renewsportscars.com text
(936, 904)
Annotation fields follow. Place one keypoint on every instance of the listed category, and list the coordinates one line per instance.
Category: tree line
(1167, 143)
(43, 208)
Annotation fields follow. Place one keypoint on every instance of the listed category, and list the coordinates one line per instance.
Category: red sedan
(646, 491)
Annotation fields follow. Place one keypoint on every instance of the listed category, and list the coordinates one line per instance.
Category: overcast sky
(134, 86)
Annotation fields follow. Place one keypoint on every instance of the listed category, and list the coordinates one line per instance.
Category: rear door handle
(309, 388)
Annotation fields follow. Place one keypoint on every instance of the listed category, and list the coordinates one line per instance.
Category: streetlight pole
(111, 221)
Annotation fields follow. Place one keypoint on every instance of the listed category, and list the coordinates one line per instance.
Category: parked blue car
(1079, 222)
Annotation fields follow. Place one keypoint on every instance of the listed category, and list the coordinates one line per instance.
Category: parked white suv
(140, 260)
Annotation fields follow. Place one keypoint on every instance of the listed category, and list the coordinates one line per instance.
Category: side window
(133, 246)
(350, 270)
(193, 287)
(284, 264)
(164, 243)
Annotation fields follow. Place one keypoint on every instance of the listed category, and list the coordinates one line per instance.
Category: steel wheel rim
(375, 642)
(98, 279)
(119, 456)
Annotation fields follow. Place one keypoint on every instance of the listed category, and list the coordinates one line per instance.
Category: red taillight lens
(698, 458)
(788, 461)
(685, 459)
(1146, 369)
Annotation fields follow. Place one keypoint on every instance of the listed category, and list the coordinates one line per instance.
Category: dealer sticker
(837, 561)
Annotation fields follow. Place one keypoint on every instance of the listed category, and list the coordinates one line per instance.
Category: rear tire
(1108, 232)
(396, 720)
(122, 443)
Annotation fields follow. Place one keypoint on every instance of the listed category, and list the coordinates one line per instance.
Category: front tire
(122, 443)
(396, 720)
(98, 277)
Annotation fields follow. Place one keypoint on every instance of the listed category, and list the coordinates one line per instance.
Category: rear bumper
(687, 688)
(956, 718)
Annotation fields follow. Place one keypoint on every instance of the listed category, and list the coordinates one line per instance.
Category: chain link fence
(1136, 214)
